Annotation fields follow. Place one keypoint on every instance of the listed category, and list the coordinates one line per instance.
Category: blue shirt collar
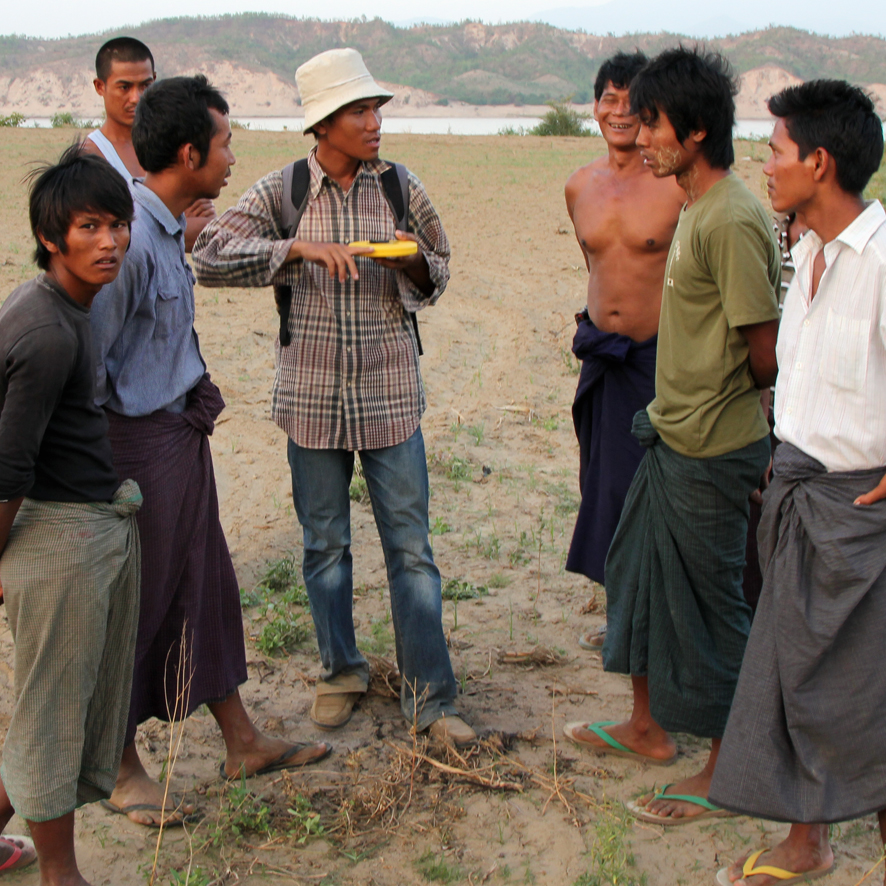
(145, 197)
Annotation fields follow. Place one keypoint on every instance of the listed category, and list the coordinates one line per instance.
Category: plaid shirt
(350, 379)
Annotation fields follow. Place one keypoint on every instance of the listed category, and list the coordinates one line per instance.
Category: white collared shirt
(830, 397)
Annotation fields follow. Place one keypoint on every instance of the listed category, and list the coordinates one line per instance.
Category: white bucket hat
(333, 79)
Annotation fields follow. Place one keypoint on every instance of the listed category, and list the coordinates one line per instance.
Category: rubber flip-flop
(614, 748)
(281, 762)
(21, 856)
(784, 877)
(709, 810)
(181, 819)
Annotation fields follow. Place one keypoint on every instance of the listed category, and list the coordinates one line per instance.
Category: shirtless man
(624, 220)
(124, 69)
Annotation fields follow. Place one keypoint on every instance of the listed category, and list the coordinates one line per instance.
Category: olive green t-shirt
(723, 272)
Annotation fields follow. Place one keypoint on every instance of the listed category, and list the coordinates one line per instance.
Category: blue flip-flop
(615, 748)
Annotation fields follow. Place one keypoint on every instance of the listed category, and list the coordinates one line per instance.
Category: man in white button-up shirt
(806, 737)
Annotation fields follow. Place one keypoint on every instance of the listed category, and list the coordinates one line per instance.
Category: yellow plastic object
(390, 249)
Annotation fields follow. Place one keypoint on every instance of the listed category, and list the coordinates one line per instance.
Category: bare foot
(801, 858)
(265, 753)
(137, 788)
(645, 740)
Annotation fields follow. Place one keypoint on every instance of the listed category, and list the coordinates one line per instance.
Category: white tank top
(103, 143)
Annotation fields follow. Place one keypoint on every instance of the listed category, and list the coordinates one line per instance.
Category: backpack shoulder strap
(395, 182)
(296, 185)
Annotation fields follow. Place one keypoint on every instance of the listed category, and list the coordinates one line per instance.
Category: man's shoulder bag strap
(296, 188)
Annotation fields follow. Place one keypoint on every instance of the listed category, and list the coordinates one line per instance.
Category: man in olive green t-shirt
(678, 621)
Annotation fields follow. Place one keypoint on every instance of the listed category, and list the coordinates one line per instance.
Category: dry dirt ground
(527, 807)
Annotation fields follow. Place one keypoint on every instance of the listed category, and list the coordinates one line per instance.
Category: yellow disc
(390, 249)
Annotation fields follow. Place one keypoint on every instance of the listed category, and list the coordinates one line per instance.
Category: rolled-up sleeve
(245, 246)
(434, 244)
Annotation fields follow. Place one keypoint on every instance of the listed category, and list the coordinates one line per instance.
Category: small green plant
(497, 580)
(561, 120)
(459, 469)
(459, 589)
(12, 120)
(190, 877)
(282, 634)
(358, 491)
(381, 639)
(305, 821)
(440, 527)
(248, 598)
(569, 361)
(477, 432)
(236, 124)
(241, 812)
(611, 854)
(436, 870)
(281, 577)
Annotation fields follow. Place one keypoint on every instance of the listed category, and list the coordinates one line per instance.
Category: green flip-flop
(709, 810)
(614, 748)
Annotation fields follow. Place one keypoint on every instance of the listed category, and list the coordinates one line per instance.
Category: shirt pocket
(844, 354)
(168, 316)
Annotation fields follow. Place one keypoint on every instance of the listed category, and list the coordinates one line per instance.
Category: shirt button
(349, 349)
(349, 314)
(799, 365)
(789, 411)
(806, 323)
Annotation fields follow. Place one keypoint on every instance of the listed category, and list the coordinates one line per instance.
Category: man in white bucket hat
(348, 377)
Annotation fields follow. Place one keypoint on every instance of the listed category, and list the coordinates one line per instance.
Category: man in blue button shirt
(161, 406)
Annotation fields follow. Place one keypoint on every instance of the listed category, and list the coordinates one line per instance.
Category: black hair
(172, 113)
(836, 116)
(619, 70)
(79, 182)
(120, 49)
(696, 90)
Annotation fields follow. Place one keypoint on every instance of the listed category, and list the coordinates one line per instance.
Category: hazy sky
(59, 18)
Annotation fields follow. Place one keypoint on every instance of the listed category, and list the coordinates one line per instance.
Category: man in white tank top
(124, 69)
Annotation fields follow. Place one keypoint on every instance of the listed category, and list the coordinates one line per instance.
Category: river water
(442, 125)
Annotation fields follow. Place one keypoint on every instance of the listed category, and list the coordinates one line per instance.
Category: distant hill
(255, 56)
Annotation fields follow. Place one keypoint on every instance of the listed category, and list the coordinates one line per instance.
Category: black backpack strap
(395, 182)
(296, 184)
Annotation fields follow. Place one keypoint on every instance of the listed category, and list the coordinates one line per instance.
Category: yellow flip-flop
(749, 869)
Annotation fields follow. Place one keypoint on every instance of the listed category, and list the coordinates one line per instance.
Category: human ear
(99, 86)
(189, 156)
(50, 246)
(822, 162)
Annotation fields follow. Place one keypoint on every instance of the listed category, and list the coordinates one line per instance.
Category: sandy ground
(500, 379)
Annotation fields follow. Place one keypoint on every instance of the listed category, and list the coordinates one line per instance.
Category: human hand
(415, 266)
(878, 493)
(203, 208)
(405, 262)
(338, 258)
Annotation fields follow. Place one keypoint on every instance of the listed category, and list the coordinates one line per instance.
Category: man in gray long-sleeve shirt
(68, 542)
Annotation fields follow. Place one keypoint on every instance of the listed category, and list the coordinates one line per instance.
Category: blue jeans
(397, 481)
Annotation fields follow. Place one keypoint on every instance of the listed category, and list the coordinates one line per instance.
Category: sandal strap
(597, 729)
(749, 869)
(17, 853)
(688, 798)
